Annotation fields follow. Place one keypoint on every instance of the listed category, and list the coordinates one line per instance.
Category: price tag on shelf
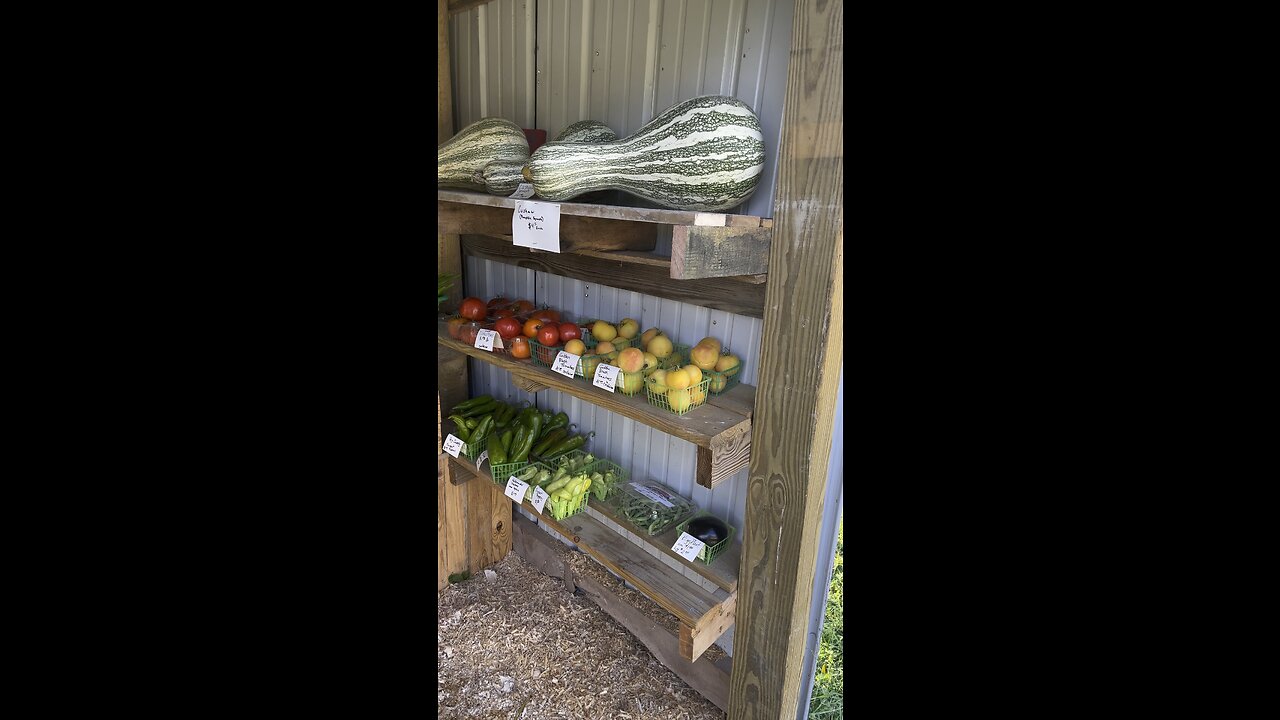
(606, 377)
(539, 498)
(688, 546)
(486, 338)
(566, 363)
(516, 488)
(536, 225)
(483, 456)
(453, 445)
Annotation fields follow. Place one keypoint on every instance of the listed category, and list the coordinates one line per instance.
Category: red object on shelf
(535, 137)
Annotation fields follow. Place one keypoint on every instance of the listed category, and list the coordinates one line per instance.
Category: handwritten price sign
(566, 363)
(688, 546)
(606, 377)
(536, 225)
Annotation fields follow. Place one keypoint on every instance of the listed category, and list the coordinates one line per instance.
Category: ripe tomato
(455, 324)
(468, 333)
(498, 302)
(570, 331)
(523, 306)
(520, 348)
(549, 335)
(531, 327)
(547, 315)
(507, 327)
(503, 312)
(473, 308)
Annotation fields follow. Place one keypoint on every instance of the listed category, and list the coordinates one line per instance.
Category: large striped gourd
(587, 131)
(464, 156)
(702, 154)
(502, 177)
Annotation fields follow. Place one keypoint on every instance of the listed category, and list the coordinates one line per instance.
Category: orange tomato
(523, 306)
(531, 327)
(548, 316)
(455, 326)
(520, 348)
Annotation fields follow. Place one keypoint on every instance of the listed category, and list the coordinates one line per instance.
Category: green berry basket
(502, 473)
(679, 357)
(708, 553)
(603, 490)
(723, 382)
(697, 397)
(477, 445)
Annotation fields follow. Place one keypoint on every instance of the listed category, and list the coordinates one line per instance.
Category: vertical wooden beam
(799, 372)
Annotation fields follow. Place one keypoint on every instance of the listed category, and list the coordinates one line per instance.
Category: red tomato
(520, 348)
(547, 315)
(570, 331)
(507, 327)
(473, 308)
(498, 302)
(503, 312)
(468, 333)
(532, 327)
(549, 335)
(455, 324)
(523, 306)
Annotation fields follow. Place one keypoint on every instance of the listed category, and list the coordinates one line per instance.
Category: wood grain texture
(489, 525)
(698, 426)
(457, 6)
(729, 453)
(442, 571)
(614, 212)
(577, 234)
(695, 640)
(626, 273)
(799, 371)
(706, 252)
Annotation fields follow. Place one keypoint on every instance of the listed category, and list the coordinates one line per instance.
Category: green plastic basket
(709, 552)
(477, 445)
(697, 397)
(679, 357)
(502, 473)
(723, 382)
(601, 490)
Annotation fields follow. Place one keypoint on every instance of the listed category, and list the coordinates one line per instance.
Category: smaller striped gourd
(463, 158)
(703, 154)
(587, 131)
(503, 177)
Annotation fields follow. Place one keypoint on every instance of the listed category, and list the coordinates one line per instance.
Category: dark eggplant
(708, 529)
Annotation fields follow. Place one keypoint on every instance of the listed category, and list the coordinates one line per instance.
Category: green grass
(827, 700)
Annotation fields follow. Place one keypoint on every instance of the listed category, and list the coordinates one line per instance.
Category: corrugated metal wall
(549, 63)
(621, 62)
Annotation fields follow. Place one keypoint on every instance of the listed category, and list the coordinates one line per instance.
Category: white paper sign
(536, 225)
(539, 498)
(688, 546)
(566, 363)
(525, 190)
(485, 339)
(453, 444)
(483, 456)
(516, 488)
(606, 377)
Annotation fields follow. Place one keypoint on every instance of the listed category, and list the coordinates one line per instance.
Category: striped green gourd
(587, 131)
(502, 177)
(462, 159)
(702, 154)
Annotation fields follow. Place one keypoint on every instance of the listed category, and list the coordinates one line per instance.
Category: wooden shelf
(703, 245)
(703, 616)
(721, 428)
(722, 571)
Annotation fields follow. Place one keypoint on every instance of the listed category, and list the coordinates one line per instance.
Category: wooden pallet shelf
(703, 616)
(703, 245)
(721, 428)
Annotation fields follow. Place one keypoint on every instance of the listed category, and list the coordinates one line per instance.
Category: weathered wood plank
(799, 372)
(728, 453)
(695, 640)
(709, 679)
(614, 212)
(706, 252)
(442, 571)
(457, 6)
(576, 233)
(730, 295)
(698, 426)
(489, 525)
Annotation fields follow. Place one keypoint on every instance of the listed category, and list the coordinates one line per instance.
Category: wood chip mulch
(520, 646)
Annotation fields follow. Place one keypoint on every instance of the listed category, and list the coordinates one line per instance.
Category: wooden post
(800, 360)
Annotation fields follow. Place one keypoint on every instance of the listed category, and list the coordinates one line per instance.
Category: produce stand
(787, 270)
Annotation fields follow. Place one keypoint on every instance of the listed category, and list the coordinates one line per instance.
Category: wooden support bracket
(703, 252)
